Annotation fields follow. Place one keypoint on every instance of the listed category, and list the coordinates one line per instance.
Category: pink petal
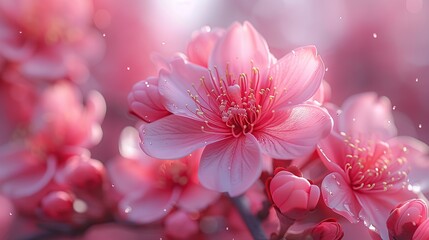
(195, 198)
(31, 180)
(332, 152)
(339, 197)
(174, 137)
(294, 132)
(298, 76)
(48, 64)
(367, 115)
(128, 175)
(148, 206)
(176, 85)
(376, 208)
(145, 101)
(201, 45)
(240, 49)
(417, 155)
(231, 165)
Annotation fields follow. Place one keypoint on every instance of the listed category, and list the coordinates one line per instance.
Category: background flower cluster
(82, 93)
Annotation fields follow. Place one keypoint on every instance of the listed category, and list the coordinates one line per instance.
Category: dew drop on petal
(394, 107)
(388, 122)
(227, 228)
(113, 185)
(341, 18)
(420, 125)
(128, 68)
(165, 210)
(20, 32)
(326, 69)
(10, 214)
(417, 79)
(374, 35)
(104, 35)
(163, 43)
(354, 119)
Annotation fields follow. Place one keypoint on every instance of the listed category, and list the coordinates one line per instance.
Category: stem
(252, 223)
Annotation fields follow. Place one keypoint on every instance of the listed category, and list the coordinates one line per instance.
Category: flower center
(233, 105)
(371, 167)
(172, 173)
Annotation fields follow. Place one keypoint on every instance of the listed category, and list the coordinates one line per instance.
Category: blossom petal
(332, 152)
(339, 197)
(148, 206)
(297, 76)
(174, 137)
(145, 101)
(231, 165)
(376, 209)
(368, 116)
(176, 85)
(240, 49)
(195, 198)
(202, 43)
(294, 132)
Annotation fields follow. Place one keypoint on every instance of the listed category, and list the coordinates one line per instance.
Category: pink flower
(328, 229)
(368, 163)
(422, 232)
(243, 105)
(48, 40)
(149, 188)
(294, 196)
(180, 225)
(405, 219)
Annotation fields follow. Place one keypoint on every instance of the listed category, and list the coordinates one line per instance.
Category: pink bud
(422, 232)
(292, 195)
(58, 205)
(406, 218)
(328, 229)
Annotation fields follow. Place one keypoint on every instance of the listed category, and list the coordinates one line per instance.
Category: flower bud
(328, 229)
(422, 232)
(293, 196)
(84, 173)
(406, 218)
(58, 205)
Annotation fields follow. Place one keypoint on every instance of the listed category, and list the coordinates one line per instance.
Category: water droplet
(341, 18)
(128, 68)
(338, 112)
(165, 210)
(354, 119)
(334, 177)
(293, 52)
(163, 43)
(127, 209)
(338, 183)
(374, 35)
(227, 228)
(331, 193)
(414, 223)
(404, 149)
(20, 32)
(104, 35)
(394, 107)
(388, 122)
(417, 79)
(113, 185)
(420, 125)
(326, 69)
(10, 214)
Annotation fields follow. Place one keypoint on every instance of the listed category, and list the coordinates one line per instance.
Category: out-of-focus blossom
(294, 196)
(422, 232)
(7, 216)
(48, 40)
(202, 44)
(180, 226)
(150, 187)
(328, 229)
(406, 218)
(240, 107)
(368, 162)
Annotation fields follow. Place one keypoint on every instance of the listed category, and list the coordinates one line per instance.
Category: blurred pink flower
(243, 105)
(58, 205)
(149, 188)
(294, 196)
(406, 218)
(179, 225)
(49, 39)
(368, 162)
